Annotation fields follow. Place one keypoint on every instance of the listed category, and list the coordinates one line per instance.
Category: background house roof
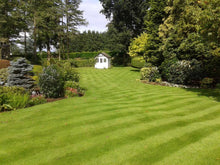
(105, 54)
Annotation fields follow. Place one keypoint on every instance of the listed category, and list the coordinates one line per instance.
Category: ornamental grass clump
(12, 98)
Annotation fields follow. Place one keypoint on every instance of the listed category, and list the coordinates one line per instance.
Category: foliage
(144, 46)
(138, 46)
(12, 21)
(218, 86)
(89, 41)
(71, 92)
(4, 75)
(182, 72)
(69, 73)
(207, 82)
(154, 17)
(74, 17)
(37, 70)
(73, 55)
(126, 14)
(73, 89)
(138, 62)
(150, 73)
(51, 82)
(83, 55)
(191, 31)
(4, 64)
(37, 99)
(118, 43)
(13, 98)
(84, 62)
(49, 22)
(127, 21)
(19, 74)
(71, 84)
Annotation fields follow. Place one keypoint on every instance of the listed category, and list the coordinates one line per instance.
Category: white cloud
(96, 20)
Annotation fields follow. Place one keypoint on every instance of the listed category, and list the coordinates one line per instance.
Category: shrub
(37, 99)
(3, 75)
(138, 62)
(207, 82)
(182, 72)
(73, 89)
(139, 45)
(19, 74)
(68, 72)
(71, 84)
(4, 64)
(51, 82)
(150, 73)
(37, 70)
(13, 98)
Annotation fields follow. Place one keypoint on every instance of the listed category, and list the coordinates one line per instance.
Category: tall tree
(11, 20)
(127, 21)
(127, 14)
(191, 31)
(153, 19)
(73, 17)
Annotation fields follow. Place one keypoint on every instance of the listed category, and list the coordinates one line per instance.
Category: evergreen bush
(150, 73)
(51, 82)
(182, 72)
(19, 74)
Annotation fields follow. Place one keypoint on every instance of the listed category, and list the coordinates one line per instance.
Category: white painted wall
(102, 62)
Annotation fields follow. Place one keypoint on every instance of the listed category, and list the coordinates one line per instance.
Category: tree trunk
(67, 32)
(59, 55)
(35, 38)
(25, 44)
(48, 52)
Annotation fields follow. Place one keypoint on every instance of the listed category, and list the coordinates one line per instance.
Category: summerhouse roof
(104, 54)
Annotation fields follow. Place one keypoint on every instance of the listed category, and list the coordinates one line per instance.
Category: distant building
(103, 61)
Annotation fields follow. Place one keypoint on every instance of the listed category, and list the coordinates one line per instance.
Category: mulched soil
(54, 99)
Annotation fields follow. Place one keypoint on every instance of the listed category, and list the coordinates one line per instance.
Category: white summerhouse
(103, 61)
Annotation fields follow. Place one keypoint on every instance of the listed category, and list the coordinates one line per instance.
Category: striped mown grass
(118, 121)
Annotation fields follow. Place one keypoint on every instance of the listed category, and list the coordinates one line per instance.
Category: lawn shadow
(135, 70)
(213, 93)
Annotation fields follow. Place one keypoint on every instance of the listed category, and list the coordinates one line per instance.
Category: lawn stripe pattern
(118, 121)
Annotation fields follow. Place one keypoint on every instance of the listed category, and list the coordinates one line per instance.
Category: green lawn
(118, 121)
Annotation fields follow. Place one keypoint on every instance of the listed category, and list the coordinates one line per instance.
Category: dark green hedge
(84, 55)
(79, 62)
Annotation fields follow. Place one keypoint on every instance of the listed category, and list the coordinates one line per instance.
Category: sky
(96, 20)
